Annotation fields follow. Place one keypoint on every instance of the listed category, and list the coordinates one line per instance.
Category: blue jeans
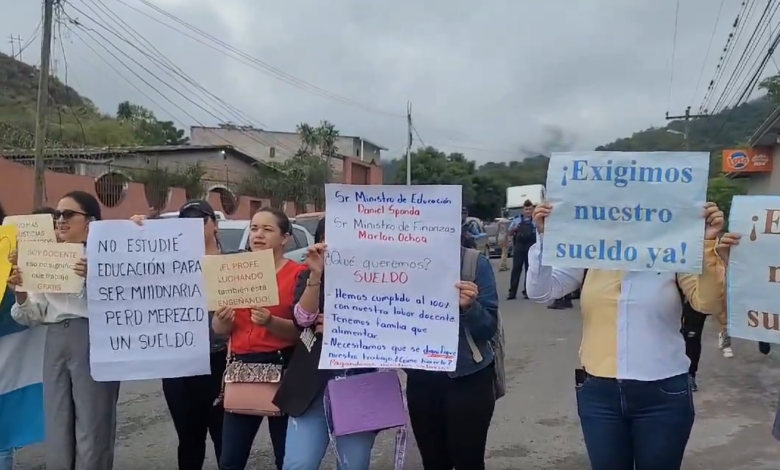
(308, 439)
(7, 459)
(633, 425)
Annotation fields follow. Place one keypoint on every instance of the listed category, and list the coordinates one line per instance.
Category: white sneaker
(728, 352)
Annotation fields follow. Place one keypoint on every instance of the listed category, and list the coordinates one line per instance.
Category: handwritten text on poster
(33, 228)
(240, 280)
(629, 211)
(147, 311)
(753, 287)
(48, 267)
(392, 264)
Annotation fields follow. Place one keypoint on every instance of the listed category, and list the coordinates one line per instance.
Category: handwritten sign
(241, 280)
(753, 275)
(7, 245)
(628, 211)
(392, 264)
(48, 267)
(33, 228)
(147, 311)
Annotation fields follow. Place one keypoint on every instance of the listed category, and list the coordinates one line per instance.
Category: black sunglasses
(67, 214)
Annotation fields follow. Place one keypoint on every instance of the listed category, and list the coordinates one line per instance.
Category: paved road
(535, 425)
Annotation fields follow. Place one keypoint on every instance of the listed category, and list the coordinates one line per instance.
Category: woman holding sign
(260, 336)
(80, 413)
(633, 395)
(301, 395)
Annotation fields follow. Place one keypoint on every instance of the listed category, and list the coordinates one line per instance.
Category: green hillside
(74, 121)
(484, 185)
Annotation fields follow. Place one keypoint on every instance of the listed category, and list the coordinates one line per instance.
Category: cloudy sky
(490, 79)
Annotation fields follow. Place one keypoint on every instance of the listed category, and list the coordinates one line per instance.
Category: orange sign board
(753, 160)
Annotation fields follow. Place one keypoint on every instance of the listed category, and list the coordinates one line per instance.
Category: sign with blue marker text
(753, 276)
(146, 302)
(392, 264)
(627, 211)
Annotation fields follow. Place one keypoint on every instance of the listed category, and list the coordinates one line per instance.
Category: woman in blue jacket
(450, 412)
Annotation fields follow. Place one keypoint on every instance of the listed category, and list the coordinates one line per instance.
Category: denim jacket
(481, 318)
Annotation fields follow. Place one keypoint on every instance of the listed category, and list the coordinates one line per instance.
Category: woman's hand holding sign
(468, 293)
(81, 267)
(540, 215)
(315, 258)
(725, 243)
(260, 316)
(714, 218)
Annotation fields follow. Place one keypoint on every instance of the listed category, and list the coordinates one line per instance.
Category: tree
(772, 87)
(147, 129)
(302, 177)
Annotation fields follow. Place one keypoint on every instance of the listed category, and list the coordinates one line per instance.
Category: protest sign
(627, 211)
(753, 275)
(147, 311)
(7, 246)
(48, 267)
(33, 228)
(240, 280)
(392, 264)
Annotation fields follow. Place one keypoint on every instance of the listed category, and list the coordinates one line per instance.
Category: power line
(720, 67)
(709, 48)
(169, 69)
(750, 47)
(254, 62)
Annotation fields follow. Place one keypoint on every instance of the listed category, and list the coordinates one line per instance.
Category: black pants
(239, 434)
(519, 263)
(191, 404)
(692, 328)
(450, 418)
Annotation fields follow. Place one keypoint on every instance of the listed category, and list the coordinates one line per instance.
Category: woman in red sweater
(262, 336)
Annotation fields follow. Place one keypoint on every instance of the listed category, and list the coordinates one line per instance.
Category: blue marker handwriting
(618, 251)
(621, 175)
(384, 198)
(335, 258)
(636, 213)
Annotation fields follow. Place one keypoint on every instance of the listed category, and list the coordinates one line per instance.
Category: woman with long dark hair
(301, 394)
(80, 413)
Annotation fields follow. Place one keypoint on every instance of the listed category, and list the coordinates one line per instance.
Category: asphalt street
(535, 426)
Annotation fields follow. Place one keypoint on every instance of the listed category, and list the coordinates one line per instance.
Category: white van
(517, 195)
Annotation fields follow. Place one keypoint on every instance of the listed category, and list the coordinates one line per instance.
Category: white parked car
(234, 236)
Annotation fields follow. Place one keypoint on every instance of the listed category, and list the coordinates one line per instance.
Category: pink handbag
(249, 389)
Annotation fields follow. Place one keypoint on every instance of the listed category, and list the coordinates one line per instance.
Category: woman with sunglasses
(80, 414)
(192, 401)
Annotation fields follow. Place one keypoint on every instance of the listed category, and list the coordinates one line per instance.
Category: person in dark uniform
(523, 234)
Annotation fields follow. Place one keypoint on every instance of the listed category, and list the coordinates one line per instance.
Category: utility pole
(12, 40)
(409, 143)
(686, 122)
(43, 104)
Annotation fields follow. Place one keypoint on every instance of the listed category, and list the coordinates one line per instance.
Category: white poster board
(392, 264)
(627, 211)
(147, 311)
(753, 275)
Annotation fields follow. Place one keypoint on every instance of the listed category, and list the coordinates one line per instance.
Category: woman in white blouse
(80, 413)
(633, 395)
